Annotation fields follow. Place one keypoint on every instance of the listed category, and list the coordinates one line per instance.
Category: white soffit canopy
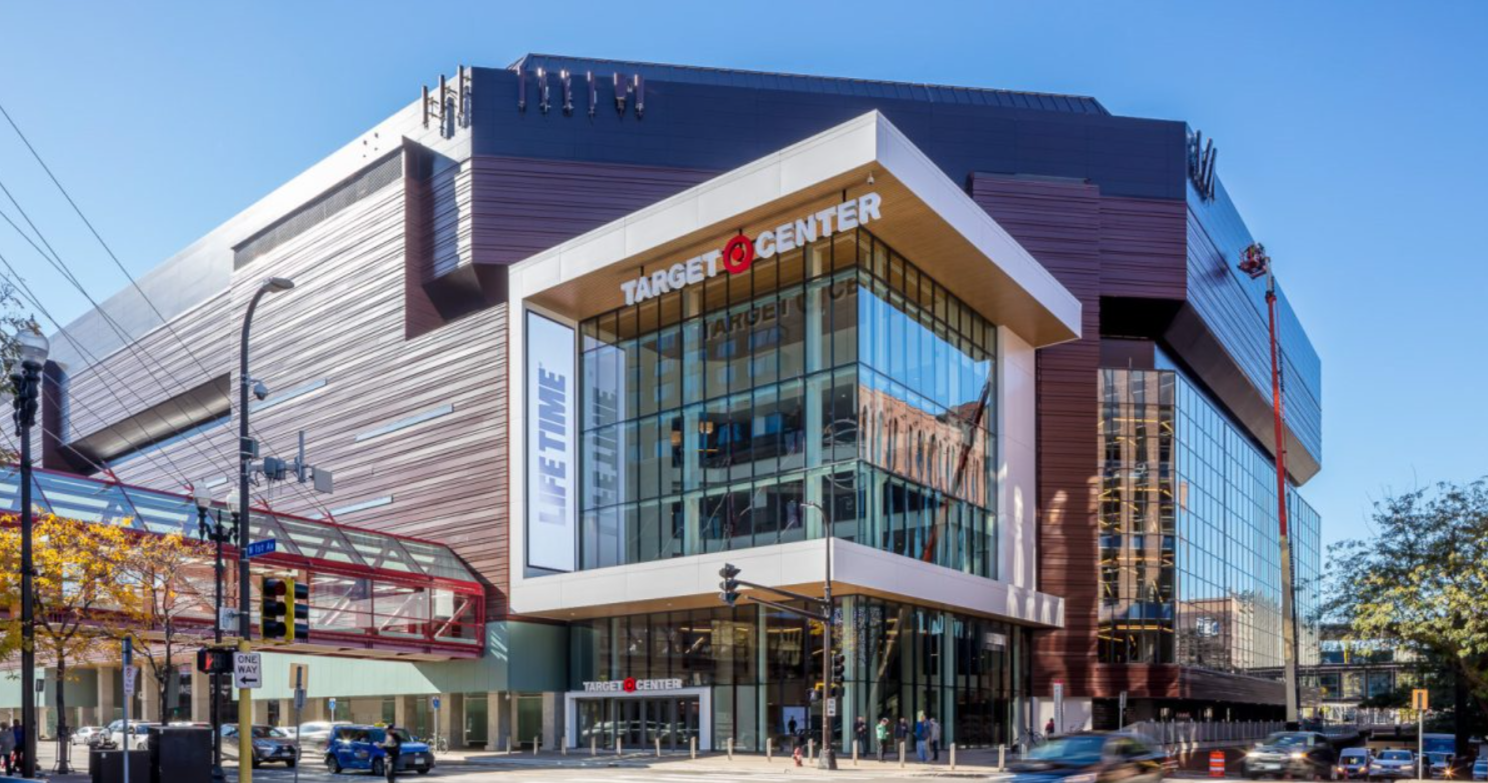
(925, 217)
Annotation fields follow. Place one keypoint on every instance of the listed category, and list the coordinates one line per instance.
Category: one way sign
(247, 670)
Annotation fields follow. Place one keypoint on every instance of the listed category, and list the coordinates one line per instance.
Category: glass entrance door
(639, 723)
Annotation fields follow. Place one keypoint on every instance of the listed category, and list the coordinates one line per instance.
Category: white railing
(1191, 733)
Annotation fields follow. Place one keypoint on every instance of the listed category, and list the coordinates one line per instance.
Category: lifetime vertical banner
(552, 427)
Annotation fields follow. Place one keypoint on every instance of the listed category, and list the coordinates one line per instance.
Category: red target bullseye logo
(738, 254)
(629, 685)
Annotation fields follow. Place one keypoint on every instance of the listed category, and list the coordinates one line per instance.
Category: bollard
(508, 744)
(730, 748)
(658, 747)
(855, 753)
(692, 745)
(593, 745)
(769, 749)
(953, 755)
(1001, 757)
(810, 749)
(617, 745)
(563, 745)
(901, 754)
(535, 745)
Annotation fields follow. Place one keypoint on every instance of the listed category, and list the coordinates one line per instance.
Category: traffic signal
(271, 625)
(299, 611)
(211, 660)
(839, 672)
(729, 586)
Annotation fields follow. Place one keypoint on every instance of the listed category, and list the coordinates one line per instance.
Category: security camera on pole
(834, 667)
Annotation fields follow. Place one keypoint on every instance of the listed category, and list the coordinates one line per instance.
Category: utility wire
(30, 296)
(129, 345)
(314, 501)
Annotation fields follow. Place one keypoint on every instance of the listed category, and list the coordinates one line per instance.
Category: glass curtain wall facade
(1190, 569)
(837, 374)
(762, 665)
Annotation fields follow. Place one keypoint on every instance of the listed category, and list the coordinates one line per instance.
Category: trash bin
(180, 754)
(107, 766)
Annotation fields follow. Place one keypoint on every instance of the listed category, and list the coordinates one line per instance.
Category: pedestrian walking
(934, 739)
(860, 735)
(392, 748)
(1049, 728)
(7, 745)
(18, 737)
(922, 738)
(885, 733)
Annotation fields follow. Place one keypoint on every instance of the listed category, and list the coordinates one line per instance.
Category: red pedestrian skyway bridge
(372, 594)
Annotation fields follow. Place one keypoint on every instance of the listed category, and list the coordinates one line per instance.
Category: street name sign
(264, 547)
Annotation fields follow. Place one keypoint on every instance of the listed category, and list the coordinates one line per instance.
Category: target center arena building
(583, 331)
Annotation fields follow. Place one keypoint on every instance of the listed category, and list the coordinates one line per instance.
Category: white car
(86, 735)
(139, 735)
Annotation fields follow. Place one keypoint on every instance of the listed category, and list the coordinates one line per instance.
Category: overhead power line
(305, 495)
(30, 297)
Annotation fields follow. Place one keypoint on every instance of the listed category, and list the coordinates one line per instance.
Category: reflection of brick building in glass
(1189, 571)
(924, 446)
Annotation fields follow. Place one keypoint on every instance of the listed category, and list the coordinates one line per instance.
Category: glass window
(753, 393)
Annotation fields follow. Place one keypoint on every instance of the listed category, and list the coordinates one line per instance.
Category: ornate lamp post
(27, 383)
(219, 534)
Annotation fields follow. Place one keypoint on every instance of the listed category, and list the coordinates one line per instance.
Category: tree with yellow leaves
(173, 577)
(80, 595)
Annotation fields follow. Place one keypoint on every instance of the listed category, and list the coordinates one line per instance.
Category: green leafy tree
(1422, 581)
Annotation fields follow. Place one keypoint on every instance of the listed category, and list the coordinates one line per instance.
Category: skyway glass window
(837, 374)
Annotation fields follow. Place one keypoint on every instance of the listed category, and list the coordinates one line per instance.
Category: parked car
(1440, 762)
(86, 735)
(139, 734)
(1480, 769)
(355, 747)
(1354, 763)
(315, 733)
(1393, 764)
(1085, 757)
(1295, 753)
(270, 745)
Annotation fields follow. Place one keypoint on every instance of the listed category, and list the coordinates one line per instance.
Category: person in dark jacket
(18, 732)
(860, 735)
(392, 747)
(901, 732)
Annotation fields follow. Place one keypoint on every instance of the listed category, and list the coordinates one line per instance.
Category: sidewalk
(969, 763)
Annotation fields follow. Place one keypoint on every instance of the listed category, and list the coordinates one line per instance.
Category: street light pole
(27, 382)
(246, 449)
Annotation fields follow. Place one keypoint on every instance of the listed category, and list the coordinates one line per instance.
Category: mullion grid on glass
(722, 350)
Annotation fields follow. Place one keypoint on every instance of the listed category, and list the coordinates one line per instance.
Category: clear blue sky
(1352, 138)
